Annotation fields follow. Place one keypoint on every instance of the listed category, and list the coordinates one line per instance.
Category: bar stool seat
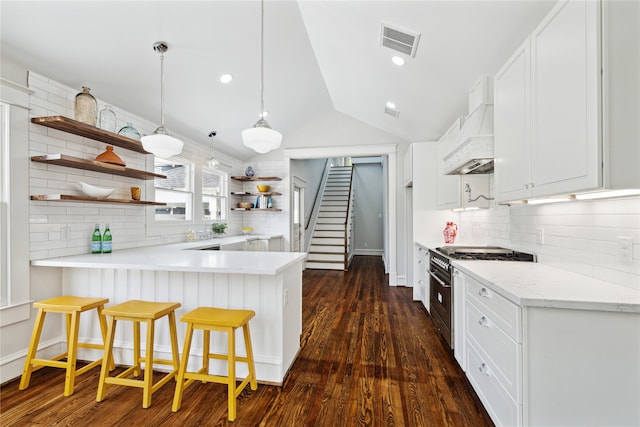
(71, 307)
(140, 311)
(221, 320)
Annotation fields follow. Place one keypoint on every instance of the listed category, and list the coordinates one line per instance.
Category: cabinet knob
(484, 292)
(484, 322)
(419, 261)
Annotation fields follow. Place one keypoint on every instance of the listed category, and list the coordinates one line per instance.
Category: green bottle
(106, 240)
(96, 240)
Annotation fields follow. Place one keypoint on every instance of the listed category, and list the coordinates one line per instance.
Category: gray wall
(369, 218)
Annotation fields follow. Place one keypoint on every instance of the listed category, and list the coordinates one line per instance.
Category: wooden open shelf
(75, 127)
(256, 178)
(72, 198)
(246, 193)
(94, 165)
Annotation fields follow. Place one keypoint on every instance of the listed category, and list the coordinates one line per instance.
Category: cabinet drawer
(504, 411)
(496, 347)
(505, 314)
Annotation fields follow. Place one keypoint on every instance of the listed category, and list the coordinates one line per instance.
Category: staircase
(331, 238)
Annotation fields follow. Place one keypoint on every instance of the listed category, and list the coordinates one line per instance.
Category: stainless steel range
(441, 280)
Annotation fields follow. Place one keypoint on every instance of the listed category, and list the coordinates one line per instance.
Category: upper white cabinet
(458, 191)
(448, 194)
(408, 167)
(557, 102)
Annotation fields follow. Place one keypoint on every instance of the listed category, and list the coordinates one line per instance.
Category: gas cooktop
(490, 253)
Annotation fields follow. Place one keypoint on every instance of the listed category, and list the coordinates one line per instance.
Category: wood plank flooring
(370, 357)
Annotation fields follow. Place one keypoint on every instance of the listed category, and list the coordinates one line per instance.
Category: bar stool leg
(206, 350)
(72, 350)
(177, 398)
(136, 348)
(231, 384)
(173, 332)
(148, 366)
(33, 348)
(103, 332)
(108, 358)
(249, 349)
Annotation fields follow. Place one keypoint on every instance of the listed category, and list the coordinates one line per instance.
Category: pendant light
(212, 162)
(160, 142)
(261, 138)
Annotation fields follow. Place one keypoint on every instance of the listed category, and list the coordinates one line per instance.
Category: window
(176, 190)
(214, 195)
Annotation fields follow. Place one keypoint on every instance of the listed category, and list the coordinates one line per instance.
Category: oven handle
(439, 280)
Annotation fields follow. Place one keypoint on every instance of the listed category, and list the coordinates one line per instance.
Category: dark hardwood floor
(370, 357)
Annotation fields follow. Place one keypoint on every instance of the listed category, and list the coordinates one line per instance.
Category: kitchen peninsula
(270, 283)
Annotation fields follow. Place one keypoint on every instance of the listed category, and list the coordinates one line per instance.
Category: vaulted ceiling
(320, 57)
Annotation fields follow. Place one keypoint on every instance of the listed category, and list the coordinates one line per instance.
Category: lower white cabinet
(421, 274)
(540, 366)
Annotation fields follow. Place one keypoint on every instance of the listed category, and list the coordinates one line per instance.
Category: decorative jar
(249, 173)
(107, 119)
(130, 132)
(86, 107)
(450, 232)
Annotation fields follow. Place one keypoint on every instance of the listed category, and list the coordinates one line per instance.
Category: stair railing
(349, 224)
(315, 208)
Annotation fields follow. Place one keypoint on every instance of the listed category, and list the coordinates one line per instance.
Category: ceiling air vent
(394, 112)
(402, 41)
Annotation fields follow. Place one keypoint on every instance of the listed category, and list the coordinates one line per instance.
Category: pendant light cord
(262, 59)
(162, 89)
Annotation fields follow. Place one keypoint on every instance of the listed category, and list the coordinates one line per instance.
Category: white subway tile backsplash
(579, 236)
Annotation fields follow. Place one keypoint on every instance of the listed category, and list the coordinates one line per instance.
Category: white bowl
(93, 191)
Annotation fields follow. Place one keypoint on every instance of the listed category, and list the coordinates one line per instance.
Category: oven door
(441, 305)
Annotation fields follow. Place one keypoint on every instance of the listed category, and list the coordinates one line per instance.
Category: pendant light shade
(261, 138)
(160, 143)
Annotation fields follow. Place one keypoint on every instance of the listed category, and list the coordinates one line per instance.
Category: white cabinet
(458, 191)
(488, 347)
(408, 167)
(448, 195)
(421, 274)
(542, 366)
(557, 130)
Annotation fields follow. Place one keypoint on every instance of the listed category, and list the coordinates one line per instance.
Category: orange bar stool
(137, 312)
(71, 307)
(220, 320)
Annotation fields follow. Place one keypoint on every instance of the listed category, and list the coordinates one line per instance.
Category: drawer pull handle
(484, 369)
(484, 292)
(484, 322)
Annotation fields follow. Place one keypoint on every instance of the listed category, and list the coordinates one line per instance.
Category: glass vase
(86, 107)
(130, 132)
(107, 119)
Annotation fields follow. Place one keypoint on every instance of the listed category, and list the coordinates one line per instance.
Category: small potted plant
(218, 228)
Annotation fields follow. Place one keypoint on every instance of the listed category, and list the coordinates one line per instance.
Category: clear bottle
(130, 132)
(96, 240)
(86, 107)
(107, 240)
(107, 119)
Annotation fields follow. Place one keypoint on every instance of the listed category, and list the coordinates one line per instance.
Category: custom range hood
(473, 152)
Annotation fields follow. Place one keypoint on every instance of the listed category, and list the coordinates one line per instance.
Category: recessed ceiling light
(398, 61)
(226, 78)
(391, 105)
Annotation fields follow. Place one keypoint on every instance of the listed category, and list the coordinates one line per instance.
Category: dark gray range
(441, 278)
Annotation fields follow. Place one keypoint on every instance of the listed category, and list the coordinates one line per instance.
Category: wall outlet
(65, 233)
(625, 248)
(540, 236)
(285, 297)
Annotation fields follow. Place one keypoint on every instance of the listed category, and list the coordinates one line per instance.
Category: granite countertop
(540, 285)
(183, 257)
